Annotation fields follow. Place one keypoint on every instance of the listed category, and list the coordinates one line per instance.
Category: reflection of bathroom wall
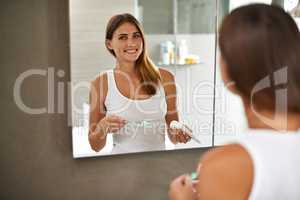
(189, 16)
(157, 16)
(196, 16)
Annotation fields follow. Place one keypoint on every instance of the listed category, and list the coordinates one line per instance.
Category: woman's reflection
(136, 100)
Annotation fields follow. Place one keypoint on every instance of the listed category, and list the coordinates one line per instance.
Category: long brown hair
(255, 41)
(148, 71)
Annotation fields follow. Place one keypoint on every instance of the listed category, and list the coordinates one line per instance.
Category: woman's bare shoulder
(100, 80)
(166, 75)
(99, 85)
(226, 173)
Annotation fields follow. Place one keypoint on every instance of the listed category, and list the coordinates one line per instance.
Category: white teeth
(131, 51)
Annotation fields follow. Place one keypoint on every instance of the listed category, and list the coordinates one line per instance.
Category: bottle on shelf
(182, 52)
(167, 52)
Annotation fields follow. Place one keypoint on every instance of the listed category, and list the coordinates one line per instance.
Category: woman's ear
(108, 44)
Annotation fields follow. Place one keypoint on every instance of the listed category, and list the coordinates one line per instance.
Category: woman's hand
(182, 188)
(178, 136)
(111, 124)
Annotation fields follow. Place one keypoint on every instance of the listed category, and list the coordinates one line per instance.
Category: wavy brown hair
(148, 71)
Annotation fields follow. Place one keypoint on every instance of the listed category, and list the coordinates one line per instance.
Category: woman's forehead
(126, 28)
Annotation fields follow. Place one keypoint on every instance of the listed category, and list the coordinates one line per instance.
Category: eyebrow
(123, 34)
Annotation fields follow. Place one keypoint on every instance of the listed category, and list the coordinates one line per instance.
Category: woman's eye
(136, 36)
(122, 38)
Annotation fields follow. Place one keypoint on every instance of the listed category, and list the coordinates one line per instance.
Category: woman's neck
(264, 119)
(127, 67)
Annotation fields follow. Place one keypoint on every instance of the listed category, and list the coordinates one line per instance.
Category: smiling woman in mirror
(136, 101)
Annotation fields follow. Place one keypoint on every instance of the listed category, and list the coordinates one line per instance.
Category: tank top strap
(111, 83)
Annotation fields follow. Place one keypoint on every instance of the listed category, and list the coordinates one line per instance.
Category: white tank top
(145, 130)
(276, 161)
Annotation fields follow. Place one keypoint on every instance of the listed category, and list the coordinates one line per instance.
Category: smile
(131, 51)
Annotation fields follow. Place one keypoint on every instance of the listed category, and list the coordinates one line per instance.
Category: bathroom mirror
(214, 114)
(194, 77)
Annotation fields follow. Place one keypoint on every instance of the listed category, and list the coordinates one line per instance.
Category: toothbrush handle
(190, 133)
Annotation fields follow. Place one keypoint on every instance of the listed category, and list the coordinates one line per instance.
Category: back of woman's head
(260, 45)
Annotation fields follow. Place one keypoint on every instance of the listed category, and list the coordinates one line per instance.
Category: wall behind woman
(36, 152)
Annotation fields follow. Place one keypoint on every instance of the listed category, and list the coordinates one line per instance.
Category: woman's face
(126, 42)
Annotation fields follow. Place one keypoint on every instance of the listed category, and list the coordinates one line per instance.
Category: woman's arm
(168, 82)
(98, 92)
(169, 85)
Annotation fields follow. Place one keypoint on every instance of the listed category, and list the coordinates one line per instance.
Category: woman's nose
(131, 42)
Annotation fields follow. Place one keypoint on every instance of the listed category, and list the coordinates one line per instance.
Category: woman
(260, 54)
(136, 99)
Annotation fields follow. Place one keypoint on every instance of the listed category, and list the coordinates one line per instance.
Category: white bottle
(182, 52)
(167, 52)
(164, 54)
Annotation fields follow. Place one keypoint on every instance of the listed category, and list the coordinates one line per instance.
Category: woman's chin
(132, 58)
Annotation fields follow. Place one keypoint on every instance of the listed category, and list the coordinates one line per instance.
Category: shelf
(180, 65)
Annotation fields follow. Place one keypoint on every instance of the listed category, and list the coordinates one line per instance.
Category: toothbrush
(177, 125)
(194, 176)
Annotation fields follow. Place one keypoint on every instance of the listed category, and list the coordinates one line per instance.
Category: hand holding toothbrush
(185, 133)
(178, 133)
(182, 188)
